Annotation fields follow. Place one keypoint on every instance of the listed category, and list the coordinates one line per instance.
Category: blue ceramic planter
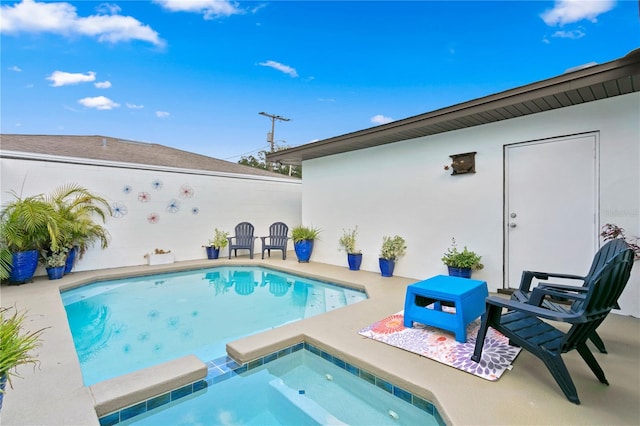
(55, 273)
(386, 267)
(212, 252)
(355, 260)
(24, 264)
(3, 385)
(459, 272)
(71, 259)
(303, 250)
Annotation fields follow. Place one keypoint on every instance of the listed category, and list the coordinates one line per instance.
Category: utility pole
(270, 137)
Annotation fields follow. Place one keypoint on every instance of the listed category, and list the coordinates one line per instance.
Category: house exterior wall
(402, 188)
(188, 205)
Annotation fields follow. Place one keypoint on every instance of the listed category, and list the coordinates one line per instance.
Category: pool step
(334, 299)
(324, 300)
(299, 409)
(354, 296)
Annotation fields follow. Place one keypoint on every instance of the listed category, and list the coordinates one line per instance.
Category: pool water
(121, 326)
(301, 388)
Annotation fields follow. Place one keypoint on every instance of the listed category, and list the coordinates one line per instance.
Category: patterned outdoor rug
(441, 345)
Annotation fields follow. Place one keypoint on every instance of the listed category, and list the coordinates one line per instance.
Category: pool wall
(224, 368)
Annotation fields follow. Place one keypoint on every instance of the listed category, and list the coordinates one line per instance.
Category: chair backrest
(607, 252)
(278, 233)
(244, 233)
(605, 287)
(603, 256)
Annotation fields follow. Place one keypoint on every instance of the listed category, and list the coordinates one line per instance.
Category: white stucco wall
(403, 189)
(204, 201)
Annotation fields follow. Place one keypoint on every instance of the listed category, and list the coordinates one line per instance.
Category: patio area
(55, 395)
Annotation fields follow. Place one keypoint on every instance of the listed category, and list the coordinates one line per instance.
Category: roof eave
(450, 118)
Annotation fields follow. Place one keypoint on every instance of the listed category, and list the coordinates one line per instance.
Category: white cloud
(108, 9)
(61, 78)
(280, 67)
(381, 119)
(61, 18)
(134, 106)
(162, 114)
(15, 68)
(574, 34)
(569, 11)
(102, 84)
(98, 102)
(211, 9)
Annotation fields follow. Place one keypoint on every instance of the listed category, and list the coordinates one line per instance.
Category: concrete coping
(122, 391)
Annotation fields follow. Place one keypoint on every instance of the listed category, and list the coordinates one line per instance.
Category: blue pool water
(121, 326)
(301, 388)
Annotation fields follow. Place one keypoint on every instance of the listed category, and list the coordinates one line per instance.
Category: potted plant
(16, 346)
(79, 214)
(27, 226)
(55, 262)
(348, 244)
(392, 249)
(461, 263)
(303, 237)
(611, 231)
(220, 240)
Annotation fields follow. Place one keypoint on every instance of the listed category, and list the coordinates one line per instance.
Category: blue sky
(194, 74)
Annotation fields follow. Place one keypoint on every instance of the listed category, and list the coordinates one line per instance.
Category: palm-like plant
(16, 343)
(77, 209)
(28, 223)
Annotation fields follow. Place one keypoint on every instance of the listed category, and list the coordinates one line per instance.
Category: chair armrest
(528, 276)
(571, 293)
(534, 310)
(579, 289)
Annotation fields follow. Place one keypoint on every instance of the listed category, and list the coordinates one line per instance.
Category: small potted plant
(461, 263)
(55, 264)
(16, 346)
(393, 248)
(348, 244)
(303, 237)
(220, 240)
(611, 231)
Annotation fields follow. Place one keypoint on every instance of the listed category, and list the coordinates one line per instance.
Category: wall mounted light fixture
(463, 163)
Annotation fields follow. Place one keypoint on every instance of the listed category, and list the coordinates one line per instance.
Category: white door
(551, 192)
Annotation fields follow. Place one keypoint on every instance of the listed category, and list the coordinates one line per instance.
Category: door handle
(512, 225)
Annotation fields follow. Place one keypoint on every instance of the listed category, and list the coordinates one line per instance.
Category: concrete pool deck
(54, 394)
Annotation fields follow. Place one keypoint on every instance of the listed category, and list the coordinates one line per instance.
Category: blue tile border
(223, 368)
(149, 404)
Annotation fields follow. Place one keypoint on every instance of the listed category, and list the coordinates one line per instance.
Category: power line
(246, 153)
(270, 136)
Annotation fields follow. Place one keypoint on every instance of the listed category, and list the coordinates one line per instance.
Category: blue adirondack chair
(527, 324)
(276, 240)
(243, 240)
(607, 252)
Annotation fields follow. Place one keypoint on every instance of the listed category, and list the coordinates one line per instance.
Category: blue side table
(468, 296)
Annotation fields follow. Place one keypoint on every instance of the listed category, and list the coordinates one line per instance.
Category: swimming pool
(308, 387)
(121, 326)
